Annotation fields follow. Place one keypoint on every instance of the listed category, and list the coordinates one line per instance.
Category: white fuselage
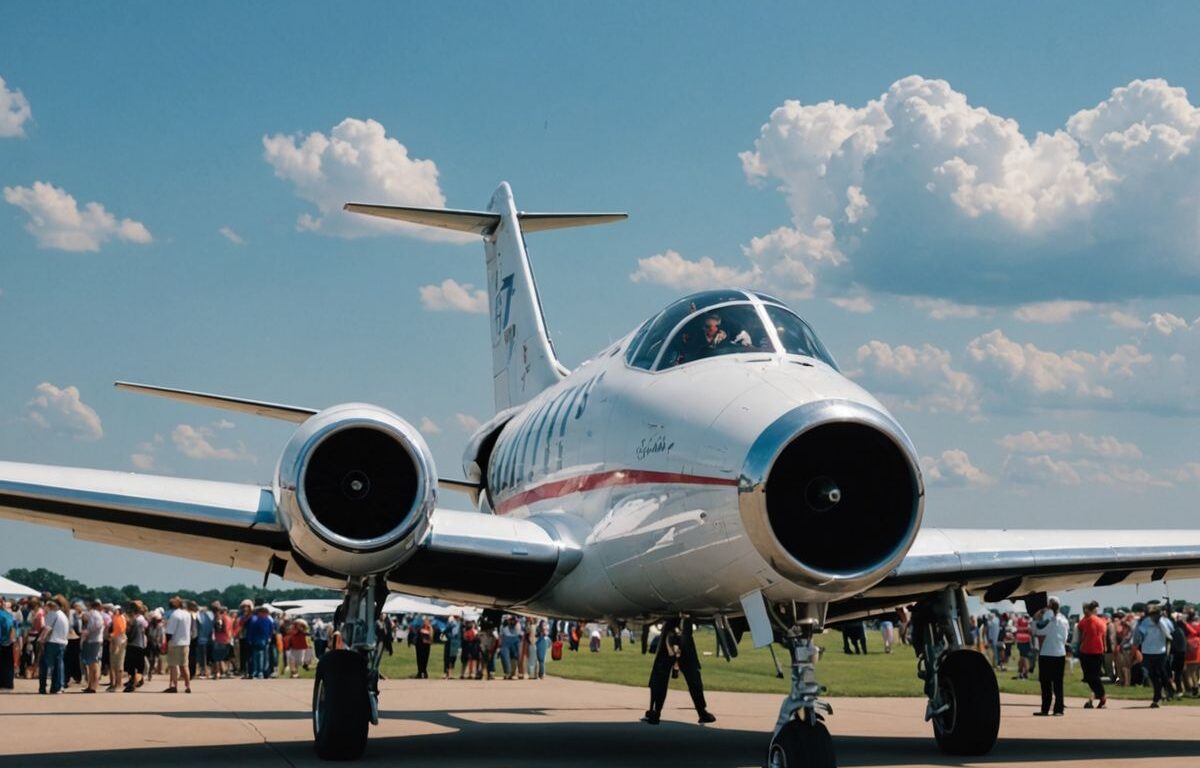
(643, 468)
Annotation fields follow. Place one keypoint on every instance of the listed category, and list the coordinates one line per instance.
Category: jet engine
(832, 496)
(355, 488)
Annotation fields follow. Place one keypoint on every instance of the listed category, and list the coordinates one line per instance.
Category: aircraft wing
(1000, 564)
(484, 558)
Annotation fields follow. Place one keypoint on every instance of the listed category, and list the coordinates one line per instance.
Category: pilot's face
(711, 327)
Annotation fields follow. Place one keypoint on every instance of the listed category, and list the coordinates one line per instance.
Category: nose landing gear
(801, 738)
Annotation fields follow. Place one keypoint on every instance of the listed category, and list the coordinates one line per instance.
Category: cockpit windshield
(717, 323)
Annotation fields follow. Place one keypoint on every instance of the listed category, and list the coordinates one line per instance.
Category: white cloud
(1167, 323)
(1059, 311)
(467, 422)
(14, 111)
(923, 378)
(1040, 470)
(857, 304)
(196, 443)
(142, 461)
(986, 214)
(357, 162)
(56, 221)
(954, 469)
(674, 271)
(231, 236)
(429, 427)
(62, 411)
(944, 309)
(452, 296)
(1109, 447)
(1037, 442)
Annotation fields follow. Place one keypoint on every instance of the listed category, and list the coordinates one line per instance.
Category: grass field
(875, 674)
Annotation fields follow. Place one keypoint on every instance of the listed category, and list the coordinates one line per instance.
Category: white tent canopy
(10, 588)
(397, 603)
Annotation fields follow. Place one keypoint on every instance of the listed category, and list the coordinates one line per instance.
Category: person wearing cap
(1052, 627)
(259, 632)
(117, 642)
(1151, 637)
(179, 640)
(1093, 629)
(55, 628)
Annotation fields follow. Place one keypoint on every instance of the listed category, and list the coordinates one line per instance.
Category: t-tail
(523, 359)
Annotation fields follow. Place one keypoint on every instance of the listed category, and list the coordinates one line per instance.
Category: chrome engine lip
(752, 497)
(319, 428)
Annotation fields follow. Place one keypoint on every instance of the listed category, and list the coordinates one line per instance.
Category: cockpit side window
(796, 336)
(725, 330)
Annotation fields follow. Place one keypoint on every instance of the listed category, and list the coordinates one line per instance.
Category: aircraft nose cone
(822, 494)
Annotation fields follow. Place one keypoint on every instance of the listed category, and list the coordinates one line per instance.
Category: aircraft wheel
(968, 685)
(801, 745)
(341, 709)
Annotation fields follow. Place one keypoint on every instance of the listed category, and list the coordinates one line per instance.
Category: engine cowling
(355, 487)
(832, 496)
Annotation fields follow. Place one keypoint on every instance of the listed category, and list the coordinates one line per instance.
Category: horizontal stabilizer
(255, 407)
(482, 222)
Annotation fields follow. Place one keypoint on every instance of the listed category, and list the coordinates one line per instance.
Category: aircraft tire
(802, 745)
(972, 723)
(341, 709)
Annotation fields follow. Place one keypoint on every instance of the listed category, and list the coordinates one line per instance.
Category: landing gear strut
(964, 698)
(346, 689)
(801, 738)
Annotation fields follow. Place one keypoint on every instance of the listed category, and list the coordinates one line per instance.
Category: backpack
(556, 650)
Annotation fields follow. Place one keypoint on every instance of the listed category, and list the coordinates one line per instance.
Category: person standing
(451, 648)
(510, 646)
(179, 640)
(204, 639)
(676, 653)
(55, 628)
(91, 647)
(260, 631)
(1024, 638)
(72, 659)
(1151, 637)
(1191, 665)
(116, 648)
(424, 645)
(993, 639)
(136, 628)
(542, 642)
(1052, 627)
(1093, 630)
(318, 637)
(8, 637)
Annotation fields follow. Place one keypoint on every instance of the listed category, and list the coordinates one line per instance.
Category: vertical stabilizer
(523, 360)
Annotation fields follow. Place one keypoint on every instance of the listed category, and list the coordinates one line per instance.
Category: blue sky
(965, 237)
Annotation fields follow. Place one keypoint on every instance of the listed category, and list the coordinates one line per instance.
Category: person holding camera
(1052, 627)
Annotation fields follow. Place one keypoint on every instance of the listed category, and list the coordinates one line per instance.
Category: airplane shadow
(582, 744)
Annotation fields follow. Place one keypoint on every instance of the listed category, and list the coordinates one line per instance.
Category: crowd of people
(470, 649)
(122, 647)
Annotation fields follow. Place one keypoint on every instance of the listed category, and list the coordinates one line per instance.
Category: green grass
(876, 674)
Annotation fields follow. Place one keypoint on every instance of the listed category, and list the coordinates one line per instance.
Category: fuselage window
(726, 330)
(796, 336)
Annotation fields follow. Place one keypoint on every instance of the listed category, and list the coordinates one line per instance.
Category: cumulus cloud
(1102, 446)
(197, 443)
(14, 111)
(857, 304)
(921, 377)
(56, 221)
(953, 469)
(920, 192)
(429, 427)
(1052, 311)
(142, 461)
(1040, 470)
(674, 271)
(357, 162)
(944, 309)
(63, 411)
(452, 296)
(1037, 442)
(231, 236)
(467, 422)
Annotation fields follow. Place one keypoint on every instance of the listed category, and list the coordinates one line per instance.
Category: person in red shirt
(1024, 638)
(1093, 629)
(1191, 661)
(296, 645)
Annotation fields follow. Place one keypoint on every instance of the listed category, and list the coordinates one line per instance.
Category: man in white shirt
(54, 634)
(1151, 637)
(1052, 627)
(179, 639)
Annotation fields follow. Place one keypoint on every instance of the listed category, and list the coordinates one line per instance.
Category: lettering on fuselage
(652, 445)
(533, 443)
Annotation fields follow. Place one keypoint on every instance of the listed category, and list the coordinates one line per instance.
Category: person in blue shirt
(1151, 636)
(8, 633)
(260, 630)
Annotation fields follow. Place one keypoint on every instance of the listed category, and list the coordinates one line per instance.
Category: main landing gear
(346, 689)
(801, 738)
(964, 698)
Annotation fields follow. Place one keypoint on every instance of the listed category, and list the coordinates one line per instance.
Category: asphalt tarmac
(550, 722)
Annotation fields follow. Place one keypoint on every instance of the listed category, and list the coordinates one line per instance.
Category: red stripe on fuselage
(583, 483)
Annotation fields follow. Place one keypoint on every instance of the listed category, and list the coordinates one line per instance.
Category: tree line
(44, 580)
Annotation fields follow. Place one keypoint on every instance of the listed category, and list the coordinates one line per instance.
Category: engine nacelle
(355, 487)
(832, 496)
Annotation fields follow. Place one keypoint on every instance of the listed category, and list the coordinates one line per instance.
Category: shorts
(296, 656)
(90, 653)
(1025, 650)
(177, 655)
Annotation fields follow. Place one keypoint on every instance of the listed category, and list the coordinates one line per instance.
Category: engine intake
(355, 488)
(832, 496)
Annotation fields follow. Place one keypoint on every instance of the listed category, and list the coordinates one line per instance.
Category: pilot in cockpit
(713, 335)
